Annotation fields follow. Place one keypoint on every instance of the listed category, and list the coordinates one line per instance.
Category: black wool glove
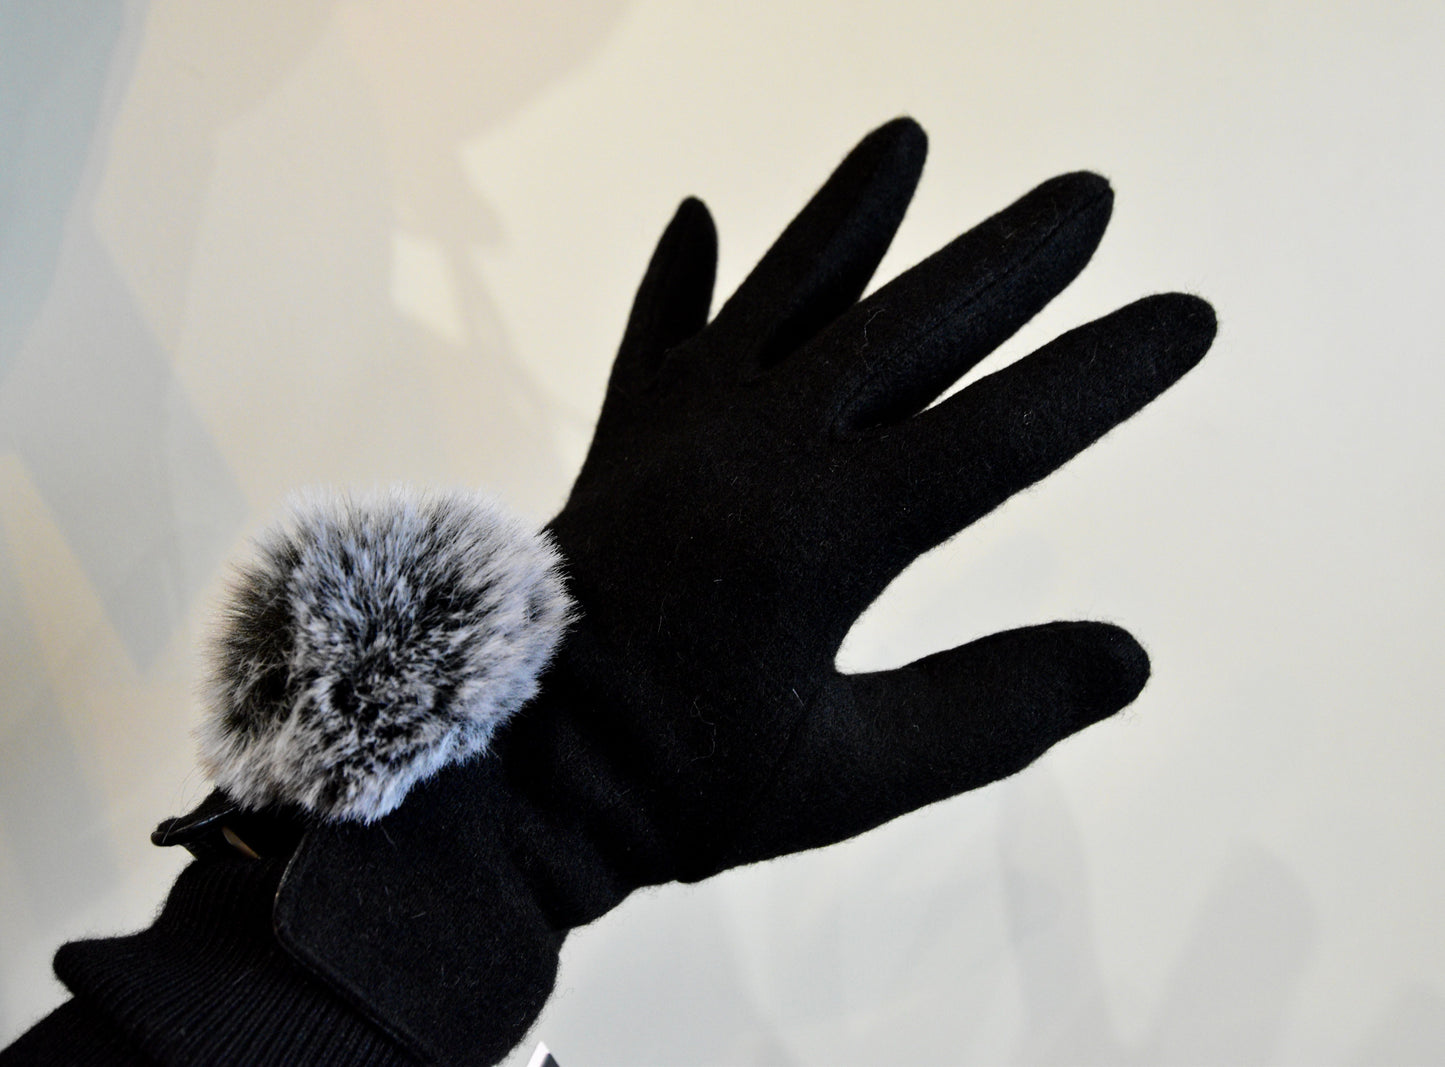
(754, 483)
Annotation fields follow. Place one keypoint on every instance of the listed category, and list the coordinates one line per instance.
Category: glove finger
(824, 259)
(892, 354)
(890, 742)
(945, 467)
(673, 300)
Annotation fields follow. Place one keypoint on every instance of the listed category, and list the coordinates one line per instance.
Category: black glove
(755, 482)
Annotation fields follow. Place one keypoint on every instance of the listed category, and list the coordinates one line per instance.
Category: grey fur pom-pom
(374, 641)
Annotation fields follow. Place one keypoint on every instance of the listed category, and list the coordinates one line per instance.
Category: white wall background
(249, 247)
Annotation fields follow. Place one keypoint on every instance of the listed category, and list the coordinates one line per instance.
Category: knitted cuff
(209, 984)
(73, 1035)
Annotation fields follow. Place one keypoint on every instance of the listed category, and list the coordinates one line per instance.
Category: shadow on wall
(133, 479)
(309, 249)
(48, 805)
(123, 110)
(1230, 990)
(57, 60)
(1410, 1030)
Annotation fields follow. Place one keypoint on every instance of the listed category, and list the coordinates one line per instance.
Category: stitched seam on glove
(957, 308)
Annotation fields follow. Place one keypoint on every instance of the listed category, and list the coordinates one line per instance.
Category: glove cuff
(209, 984)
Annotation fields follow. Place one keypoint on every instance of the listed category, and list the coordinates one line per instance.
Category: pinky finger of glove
(881, 745)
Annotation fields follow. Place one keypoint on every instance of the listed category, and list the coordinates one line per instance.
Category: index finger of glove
(824, 259)
(947, 466)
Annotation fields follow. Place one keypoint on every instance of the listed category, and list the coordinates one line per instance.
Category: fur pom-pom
(374, 641)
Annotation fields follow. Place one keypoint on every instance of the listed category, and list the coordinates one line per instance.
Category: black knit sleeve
(206, 984)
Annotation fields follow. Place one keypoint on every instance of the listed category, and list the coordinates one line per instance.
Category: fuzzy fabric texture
(374, 641)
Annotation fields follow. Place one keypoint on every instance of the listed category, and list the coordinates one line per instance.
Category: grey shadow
(1228, 995)
(141, 492)
(48, 808)
(448, 74)
(134, 480)
(1409, 1033)
(58, 61)
(705, 1015)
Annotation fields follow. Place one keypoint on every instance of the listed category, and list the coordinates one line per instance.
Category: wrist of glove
(754, 483)
(207, 983)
